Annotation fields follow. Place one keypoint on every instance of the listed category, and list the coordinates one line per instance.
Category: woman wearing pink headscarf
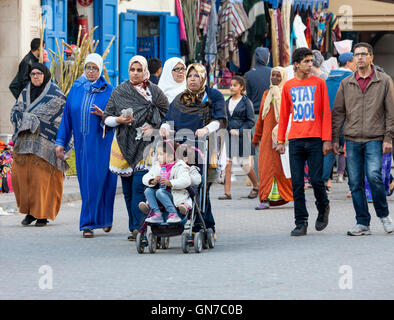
(149, 105)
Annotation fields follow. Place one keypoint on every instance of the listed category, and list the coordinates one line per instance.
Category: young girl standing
(240, 117)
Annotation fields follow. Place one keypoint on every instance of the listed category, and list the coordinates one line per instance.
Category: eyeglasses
(91, 69)
(361, 54)
(36, 74)
(180, 69)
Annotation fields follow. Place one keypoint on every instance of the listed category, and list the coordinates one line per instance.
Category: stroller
(160, 233)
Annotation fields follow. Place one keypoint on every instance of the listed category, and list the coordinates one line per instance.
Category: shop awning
(306, 4)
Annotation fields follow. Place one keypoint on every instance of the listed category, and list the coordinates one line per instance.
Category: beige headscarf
(189, 97)
(274, 94)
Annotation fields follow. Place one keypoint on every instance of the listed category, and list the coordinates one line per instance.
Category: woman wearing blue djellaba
(81, 119)
(200, 110)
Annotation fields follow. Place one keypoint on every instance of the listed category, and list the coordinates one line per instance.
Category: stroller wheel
(198, 240)
(165, 243)
(211, 238)
(152, 240)
(140, 246)
(185, 242)
(158, 242)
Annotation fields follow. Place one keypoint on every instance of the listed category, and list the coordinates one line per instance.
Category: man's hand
(327, 147)
(255, 145)
(281, 149)
(387, 147)
(335, 148)
(60, 152)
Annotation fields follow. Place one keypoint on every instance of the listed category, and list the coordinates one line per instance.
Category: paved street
(254, 257)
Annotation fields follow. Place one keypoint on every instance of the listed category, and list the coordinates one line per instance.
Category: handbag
(117, 163)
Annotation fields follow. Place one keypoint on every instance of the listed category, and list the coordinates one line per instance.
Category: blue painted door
(169, 37)
(106, 18)
(127, 43)
(55, 17)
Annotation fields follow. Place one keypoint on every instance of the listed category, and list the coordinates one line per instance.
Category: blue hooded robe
(92, 152)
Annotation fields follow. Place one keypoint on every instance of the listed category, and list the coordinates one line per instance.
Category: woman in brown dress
(37, 174)
(275, 189)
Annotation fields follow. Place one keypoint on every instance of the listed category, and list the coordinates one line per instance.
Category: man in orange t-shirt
(305, 101)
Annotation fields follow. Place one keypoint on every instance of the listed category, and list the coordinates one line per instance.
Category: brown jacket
(369, 115)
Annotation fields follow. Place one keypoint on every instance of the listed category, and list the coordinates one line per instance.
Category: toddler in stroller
(167, 183)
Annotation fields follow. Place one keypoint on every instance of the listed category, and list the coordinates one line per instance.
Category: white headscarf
(167, 84)
(96, 59)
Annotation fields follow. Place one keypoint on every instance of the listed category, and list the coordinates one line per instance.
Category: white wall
(19, 24)
(147, 5)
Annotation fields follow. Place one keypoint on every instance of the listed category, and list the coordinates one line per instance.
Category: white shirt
(232, 104)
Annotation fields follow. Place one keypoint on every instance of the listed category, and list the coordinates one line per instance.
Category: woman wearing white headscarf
(149, 106)
(173, 78)
(82, 120)
(274, 187)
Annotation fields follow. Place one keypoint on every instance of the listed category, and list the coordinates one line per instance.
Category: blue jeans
(310, 150)
(163, 196)
(133, 191)
(365, 159)
(328, 163)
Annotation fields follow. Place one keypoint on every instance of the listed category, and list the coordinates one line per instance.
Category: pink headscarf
(142, 87)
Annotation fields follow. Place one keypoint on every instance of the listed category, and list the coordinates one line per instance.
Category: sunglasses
(180, 69)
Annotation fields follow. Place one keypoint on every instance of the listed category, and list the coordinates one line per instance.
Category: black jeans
(310, 150)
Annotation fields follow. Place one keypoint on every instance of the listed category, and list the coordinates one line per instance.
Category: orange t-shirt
(307, 103)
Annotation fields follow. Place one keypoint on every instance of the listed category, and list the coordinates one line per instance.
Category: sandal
(88, 233)
(107, 229)
(253, 193)
(225, 197)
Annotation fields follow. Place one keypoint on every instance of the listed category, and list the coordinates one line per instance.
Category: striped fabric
(274, 194)
(203, 11)
(233, 21)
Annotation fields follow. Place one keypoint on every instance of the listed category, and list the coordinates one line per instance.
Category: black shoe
(300, 229)
(28, 219)
(41, 222)
(322, 219)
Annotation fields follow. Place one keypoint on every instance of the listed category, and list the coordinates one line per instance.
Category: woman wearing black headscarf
(37, 174)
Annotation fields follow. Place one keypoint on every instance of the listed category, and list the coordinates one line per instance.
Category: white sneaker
(387, 224)
(359, 230)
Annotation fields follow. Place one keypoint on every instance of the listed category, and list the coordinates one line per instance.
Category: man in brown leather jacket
(365, 100)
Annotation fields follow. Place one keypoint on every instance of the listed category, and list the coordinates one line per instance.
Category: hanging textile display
(182, 32)
(299, 31)
(204, 9)
(286, 53)
(274, 38)
(232, 23)
(211, 47)
(258, 31)
(189, 13)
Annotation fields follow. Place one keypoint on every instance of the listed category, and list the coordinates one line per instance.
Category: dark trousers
(310, 150)
(133, 191)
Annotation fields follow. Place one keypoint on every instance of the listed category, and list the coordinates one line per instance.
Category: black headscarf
(36, 91)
